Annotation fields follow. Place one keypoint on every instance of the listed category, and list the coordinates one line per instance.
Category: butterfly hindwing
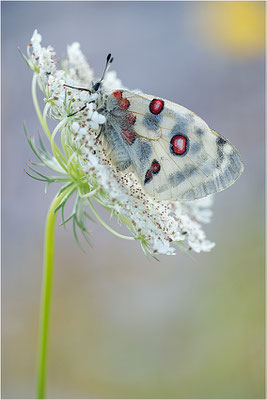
(173, 151)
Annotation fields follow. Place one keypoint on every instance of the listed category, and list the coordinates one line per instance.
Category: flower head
(83, 164)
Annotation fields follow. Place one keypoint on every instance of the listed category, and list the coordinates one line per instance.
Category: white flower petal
(101, 119)
(94, 125)
(98, 118)
(75, 126)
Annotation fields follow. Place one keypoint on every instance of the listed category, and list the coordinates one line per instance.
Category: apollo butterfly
(173, 152)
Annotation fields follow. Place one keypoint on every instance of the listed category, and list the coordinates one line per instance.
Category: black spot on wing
(144, 150)
(141, 152)
(176, 178)
(181, 126)
(220, 141)
(190, 170)
(220, 157)
(123, 164)
(152, 122)
(199, 132)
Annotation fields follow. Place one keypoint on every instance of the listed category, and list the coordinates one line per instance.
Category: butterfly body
(173, 152)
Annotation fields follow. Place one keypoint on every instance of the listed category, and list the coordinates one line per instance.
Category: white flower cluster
(157, 225)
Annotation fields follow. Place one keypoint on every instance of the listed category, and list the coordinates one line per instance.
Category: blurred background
(123, 325)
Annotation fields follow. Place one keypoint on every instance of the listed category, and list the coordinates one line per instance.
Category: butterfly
(172, 151)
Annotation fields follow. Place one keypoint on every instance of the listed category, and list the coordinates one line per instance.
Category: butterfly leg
(77, 88)
(98, 136)
(81, 109)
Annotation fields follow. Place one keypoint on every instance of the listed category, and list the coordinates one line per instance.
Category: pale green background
(122, 325)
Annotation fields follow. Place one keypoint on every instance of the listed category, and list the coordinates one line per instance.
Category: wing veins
(168, 116)
(186, 177)
(163, 169)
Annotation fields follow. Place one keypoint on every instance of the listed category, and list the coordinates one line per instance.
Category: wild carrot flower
(83, 163)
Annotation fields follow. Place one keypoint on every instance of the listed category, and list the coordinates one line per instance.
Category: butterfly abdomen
(119, 157)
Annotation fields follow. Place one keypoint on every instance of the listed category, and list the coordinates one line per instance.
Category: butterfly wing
(173, 151)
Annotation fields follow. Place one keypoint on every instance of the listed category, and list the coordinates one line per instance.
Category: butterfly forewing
(173, 151)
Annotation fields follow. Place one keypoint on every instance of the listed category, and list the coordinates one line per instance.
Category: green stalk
(56, 152)
(106, 225)
(37, 108)
(46, 293)
(42, 118)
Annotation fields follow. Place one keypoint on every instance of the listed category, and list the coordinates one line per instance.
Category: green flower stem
(63, 141)
(42, 118)
(46, 292)
(37, 108)
(106, 225)
(72, 172)
(123, 219)
(54, 147)
(89, 194)
(46, 108)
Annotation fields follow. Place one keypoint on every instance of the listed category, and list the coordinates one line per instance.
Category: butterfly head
(96, 86)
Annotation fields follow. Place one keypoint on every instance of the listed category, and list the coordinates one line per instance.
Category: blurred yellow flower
(235, 27)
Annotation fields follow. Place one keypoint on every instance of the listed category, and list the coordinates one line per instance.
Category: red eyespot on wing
(124, 104)
(155, 167)
(128, 135)
(117, 95)
(131, 118)
(179, 145)
(156, 106)
(148, 176)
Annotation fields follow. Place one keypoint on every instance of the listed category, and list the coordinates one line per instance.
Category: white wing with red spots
(173, 151)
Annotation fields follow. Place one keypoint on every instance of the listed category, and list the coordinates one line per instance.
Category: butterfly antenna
(108, 62)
